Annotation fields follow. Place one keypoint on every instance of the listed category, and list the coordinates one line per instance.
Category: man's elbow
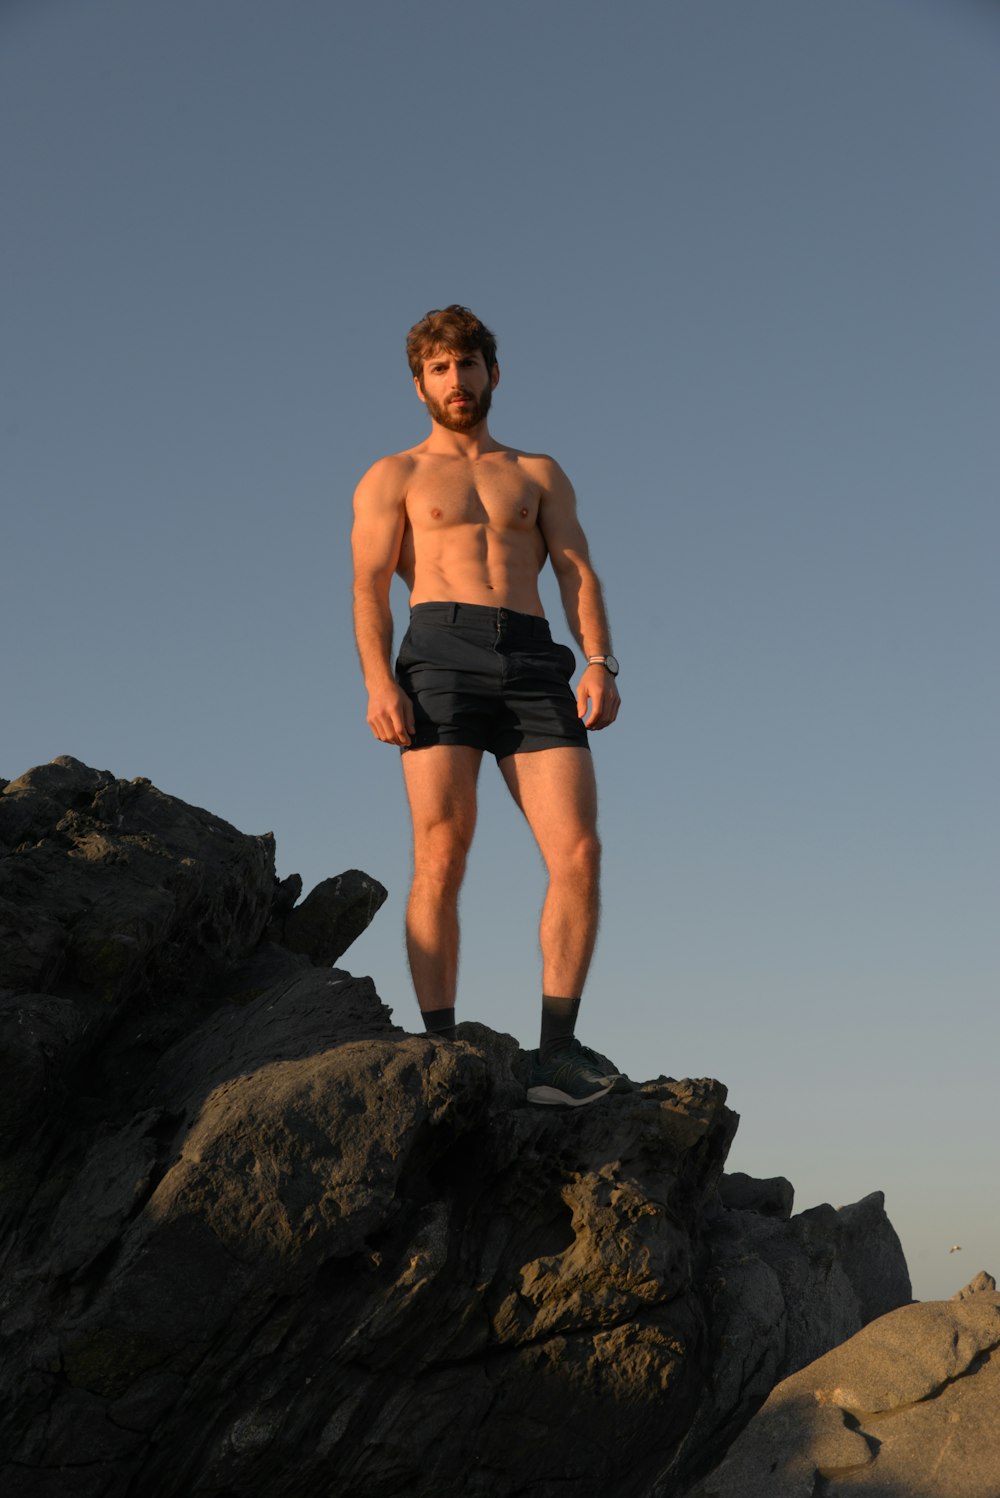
(575, 573)
(371, 587)
(567, 564)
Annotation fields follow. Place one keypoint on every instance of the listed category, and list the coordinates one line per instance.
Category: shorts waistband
(479, 616)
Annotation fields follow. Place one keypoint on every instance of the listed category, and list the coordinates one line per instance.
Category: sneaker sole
(551, 1096)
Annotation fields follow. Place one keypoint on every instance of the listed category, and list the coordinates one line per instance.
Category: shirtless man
(468, 524)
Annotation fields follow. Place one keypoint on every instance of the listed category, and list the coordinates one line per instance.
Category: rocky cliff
(260, 1242)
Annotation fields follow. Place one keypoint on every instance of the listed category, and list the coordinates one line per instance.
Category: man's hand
(390, 714)
(599, 689)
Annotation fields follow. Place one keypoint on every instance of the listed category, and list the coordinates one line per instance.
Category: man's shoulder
(543, 470)
(387, 477)
(393, 464)
(540, 465)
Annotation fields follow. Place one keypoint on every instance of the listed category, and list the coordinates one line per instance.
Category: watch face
(611, 664)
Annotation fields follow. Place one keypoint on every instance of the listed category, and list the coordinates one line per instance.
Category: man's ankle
(440, 1022)
(558, 1025)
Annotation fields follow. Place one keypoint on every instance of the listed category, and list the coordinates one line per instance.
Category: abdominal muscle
(474, 564)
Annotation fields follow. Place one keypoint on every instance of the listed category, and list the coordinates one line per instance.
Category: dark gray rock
(783, 1293)
(836, 1269)
(112, 887)
(113, 894)
(262, 1242)
(39, 1033)
(117, 904)
(771, 1198)
(286, 892)
(331, 917)
(334, 1251)
(124, 914)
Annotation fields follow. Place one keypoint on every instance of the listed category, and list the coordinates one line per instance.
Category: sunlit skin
(462, 518)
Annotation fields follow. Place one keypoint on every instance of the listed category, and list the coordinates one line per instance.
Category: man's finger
(605, 710)
(403, 722)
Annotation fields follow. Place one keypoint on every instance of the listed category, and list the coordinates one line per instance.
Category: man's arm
(379, 524)
(580, 590)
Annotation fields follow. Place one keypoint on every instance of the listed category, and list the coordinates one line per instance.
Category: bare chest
(497, 495)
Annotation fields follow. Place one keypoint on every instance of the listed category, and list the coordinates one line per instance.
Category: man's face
(457, 388)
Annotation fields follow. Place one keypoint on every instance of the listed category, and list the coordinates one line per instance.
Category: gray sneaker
(569, 1077)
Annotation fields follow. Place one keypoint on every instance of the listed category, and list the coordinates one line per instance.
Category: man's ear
(419, 388)
(494, 376)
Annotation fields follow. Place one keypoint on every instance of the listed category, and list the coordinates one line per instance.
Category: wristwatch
(607, 661)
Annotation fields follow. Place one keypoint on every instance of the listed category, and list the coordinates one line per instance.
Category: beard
(455, 419)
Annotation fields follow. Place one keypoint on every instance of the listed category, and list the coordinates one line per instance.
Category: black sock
(440, 1022)
(558, 1024)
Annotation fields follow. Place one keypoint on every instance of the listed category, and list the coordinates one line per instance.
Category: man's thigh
(441, 787)
(557, 791)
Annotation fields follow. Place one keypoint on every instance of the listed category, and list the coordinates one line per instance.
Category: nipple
(524, 512)
(435, 513)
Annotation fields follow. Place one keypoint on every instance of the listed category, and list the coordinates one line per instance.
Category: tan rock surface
(906, 1409)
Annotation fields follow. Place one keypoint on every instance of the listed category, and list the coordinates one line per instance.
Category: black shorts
(490, 678)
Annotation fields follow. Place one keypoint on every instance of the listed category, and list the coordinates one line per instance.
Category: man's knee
(579, 857)
(439, 858)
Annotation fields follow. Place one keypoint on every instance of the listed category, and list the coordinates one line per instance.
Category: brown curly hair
(455, 328)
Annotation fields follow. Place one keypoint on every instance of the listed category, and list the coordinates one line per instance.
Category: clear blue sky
(741, 259)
